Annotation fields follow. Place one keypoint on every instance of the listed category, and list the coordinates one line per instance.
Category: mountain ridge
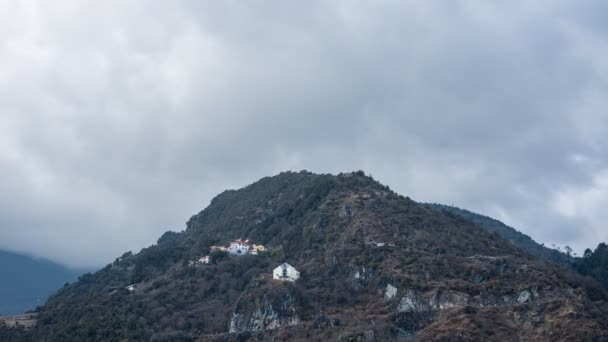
(516, 237)
(374, 265)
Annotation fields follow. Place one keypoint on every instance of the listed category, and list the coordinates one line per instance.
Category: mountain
(26, 282)
(374, 266)
(517, 238)
(592, 264)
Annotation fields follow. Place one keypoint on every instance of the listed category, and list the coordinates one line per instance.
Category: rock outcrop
(265, 316)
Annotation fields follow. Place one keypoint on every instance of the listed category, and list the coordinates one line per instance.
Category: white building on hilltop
(239, 247)
(285, 272)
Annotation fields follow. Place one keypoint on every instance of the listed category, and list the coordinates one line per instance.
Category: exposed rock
(390, 292)
(266, 316)
(409, 302)
(523, 297)
(445, 299)
(412, 314)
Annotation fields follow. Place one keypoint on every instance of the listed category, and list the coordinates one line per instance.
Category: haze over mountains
(374, 265)
(26, 282)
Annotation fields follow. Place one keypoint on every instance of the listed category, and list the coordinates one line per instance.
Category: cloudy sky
(120, 119)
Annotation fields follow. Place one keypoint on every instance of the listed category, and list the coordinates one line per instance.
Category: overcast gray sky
(120, 119)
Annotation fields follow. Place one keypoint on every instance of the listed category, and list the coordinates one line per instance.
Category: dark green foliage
(517, 238)
(595, 264)
(182, 299)
(12, 334)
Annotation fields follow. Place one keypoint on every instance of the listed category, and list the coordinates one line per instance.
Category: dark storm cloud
(121, 119)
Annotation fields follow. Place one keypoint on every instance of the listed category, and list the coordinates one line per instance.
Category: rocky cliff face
(270, 309)
(374, 266)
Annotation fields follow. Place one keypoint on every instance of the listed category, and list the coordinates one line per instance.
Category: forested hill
(26, 282)
(374, 265)
(516, 237)
(595, 264)
(592, 264)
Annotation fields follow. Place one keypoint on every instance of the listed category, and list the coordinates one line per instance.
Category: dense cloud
(120, 119)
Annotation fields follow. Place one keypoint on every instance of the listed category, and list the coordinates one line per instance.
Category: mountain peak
(372, 264)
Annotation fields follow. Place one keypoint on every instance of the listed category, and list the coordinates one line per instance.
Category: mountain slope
(517, 238)
(592, 264)
(374, 266)
(26, 282)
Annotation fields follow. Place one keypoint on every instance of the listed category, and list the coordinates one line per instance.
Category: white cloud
(118, 120)
(588, 205)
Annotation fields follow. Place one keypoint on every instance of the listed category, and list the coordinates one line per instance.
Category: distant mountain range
(26, 282)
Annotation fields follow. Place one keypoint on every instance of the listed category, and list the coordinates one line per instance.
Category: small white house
(239, 247)
(285, 272)
(132, 287)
